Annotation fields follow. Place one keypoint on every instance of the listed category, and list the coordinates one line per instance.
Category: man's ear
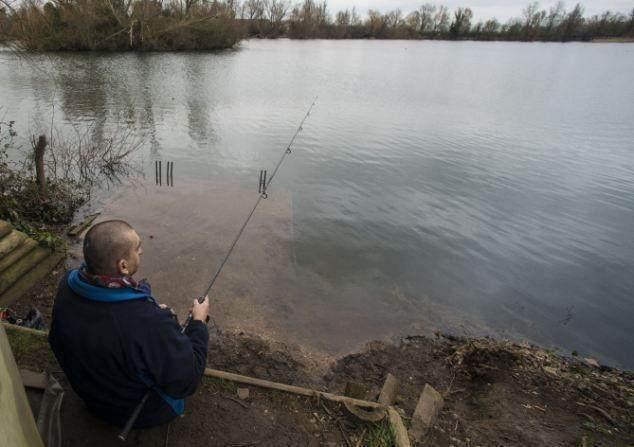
(122, 267)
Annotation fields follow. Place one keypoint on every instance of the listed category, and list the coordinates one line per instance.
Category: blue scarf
(107, 294)
(114, 295)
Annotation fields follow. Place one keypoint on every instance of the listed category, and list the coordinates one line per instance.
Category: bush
(74, 167)
(118, 25)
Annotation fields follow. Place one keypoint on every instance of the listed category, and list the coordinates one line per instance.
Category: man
(114, 341)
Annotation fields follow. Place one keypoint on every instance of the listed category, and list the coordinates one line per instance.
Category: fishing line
(264, 185)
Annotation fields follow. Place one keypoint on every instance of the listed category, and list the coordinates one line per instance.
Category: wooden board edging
(28, 330)
(401, 439)
(290, 388)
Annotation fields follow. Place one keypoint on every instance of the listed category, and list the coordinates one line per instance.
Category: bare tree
(355, 20)
(461, 24)
(555, 16)
(573, 22)
(342, 18)
(375, 23)
(533, 20)
(441, 20)
(394, 18)
(427, 13)
(254, 9)
(491, 27)
(276, 11)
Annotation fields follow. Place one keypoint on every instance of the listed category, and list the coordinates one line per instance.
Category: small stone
(550, 370)
(592, 362)
(243, 393)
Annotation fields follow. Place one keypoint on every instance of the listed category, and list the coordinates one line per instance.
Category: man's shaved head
(106, 243)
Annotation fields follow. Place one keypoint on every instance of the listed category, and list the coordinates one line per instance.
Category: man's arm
(175, 361)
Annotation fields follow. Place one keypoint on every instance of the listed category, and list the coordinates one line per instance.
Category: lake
(473, 188)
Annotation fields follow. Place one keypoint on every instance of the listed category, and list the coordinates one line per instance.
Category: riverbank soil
(216, 416)
(496, 394)
(502, 394)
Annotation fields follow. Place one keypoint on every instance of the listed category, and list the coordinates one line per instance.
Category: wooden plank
(401, 439)
(32, 379)
(10, 242)
(22, 250)
(80, 227)
(426, 412)
(290, 388)
(28, 330)
(31, 278)
(26, 263)
(18, 427)
(5, 228)
(389, 390)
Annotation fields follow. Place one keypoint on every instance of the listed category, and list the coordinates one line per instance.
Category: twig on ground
(603, 413)
(233, 399)
(343, 433)
(326, 409)
(360, 441)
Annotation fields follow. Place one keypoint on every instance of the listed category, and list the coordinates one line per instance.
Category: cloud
(482, 9)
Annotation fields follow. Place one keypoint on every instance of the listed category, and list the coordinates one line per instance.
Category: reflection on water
(471, 187)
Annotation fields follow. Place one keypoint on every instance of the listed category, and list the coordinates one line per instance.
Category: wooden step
(10, 241)
(31, 278)
(16, 254)
(27, 262)
(5, 228)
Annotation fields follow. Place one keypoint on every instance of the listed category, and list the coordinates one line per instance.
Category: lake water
(476, 188)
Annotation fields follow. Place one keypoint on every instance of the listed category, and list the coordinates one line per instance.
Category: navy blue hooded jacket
(105, 348)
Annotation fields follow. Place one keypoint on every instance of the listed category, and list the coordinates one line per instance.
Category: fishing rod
(263, 187)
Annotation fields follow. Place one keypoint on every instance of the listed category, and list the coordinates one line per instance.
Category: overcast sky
(482, 9)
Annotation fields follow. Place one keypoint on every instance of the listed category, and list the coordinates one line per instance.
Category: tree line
(43, 25)
(311, 19)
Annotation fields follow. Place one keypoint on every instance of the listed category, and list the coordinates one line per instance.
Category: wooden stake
(389, 390)
(290, 388)
(40, 175)
(401, 439)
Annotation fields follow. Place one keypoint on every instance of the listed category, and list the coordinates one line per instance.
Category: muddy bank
(496, 393)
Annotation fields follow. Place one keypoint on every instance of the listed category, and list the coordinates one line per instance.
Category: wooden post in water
(40, 175)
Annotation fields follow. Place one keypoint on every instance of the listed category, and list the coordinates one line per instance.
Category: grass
(214, 385)
(379, 435)
(31, 349)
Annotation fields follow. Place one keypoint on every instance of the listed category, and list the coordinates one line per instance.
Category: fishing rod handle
(133, 417)
(200, 300)
(187, 321)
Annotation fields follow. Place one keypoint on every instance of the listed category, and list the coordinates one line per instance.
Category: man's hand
(200, 310)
